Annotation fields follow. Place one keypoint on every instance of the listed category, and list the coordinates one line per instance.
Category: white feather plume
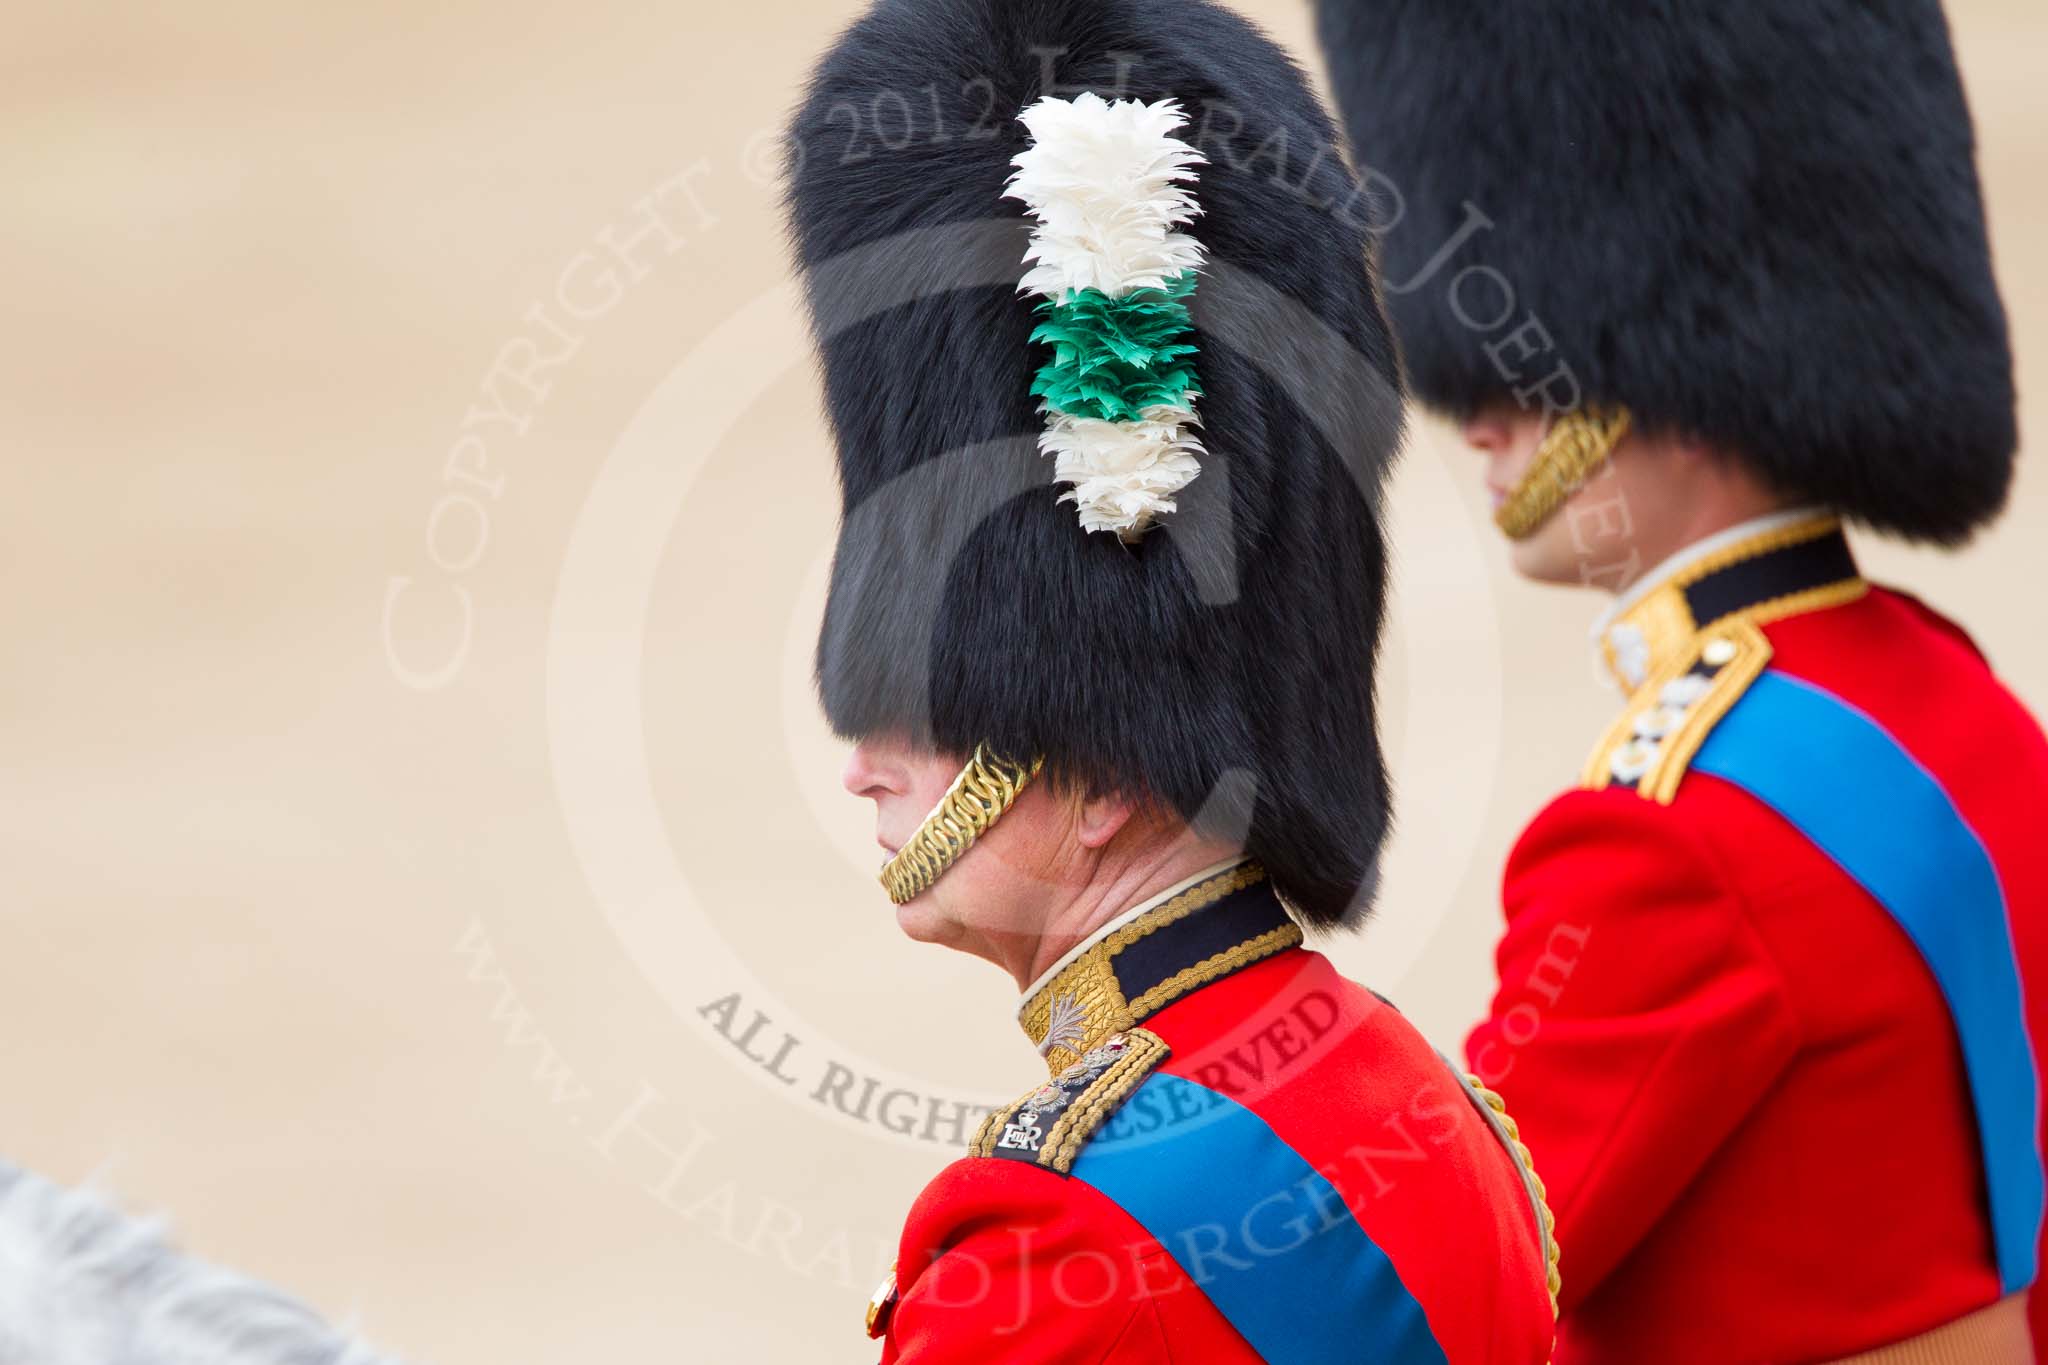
(1107, 183)
(1124, 474)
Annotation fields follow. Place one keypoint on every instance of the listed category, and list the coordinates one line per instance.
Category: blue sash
(1848, 786)
(1258, 1229)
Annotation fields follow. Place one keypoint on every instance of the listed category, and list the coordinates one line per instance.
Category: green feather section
(1112, 358)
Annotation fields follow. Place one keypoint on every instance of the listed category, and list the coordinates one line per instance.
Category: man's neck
(1129, 882)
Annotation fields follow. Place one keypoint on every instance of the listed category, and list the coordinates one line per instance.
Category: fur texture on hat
(1221, 665)
(1758, 224)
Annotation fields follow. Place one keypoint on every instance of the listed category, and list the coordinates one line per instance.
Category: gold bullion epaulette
(1049, 1126)
(1653, 742)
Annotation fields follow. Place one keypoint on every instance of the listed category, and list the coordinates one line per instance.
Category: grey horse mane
(83, 1283)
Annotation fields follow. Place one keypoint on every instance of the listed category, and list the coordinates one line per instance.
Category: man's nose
(870, 773)
(1486, 434)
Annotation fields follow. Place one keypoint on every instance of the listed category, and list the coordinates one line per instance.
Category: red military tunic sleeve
(1639, 1017)
(1006, 1261)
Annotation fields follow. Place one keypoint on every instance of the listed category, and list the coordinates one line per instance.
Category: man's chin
(1542, 559)
(920, 920)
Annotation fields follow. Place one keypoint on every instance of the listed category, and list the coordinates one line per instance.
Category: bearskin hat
(1115, 505)
(1756, 224)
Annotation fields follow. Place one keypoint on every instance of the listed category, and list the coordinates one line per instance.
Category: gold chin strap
(986, 787)
(1576, 445)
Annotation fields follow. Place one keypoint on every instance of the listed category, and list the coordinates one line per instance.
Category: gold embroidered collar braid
(1785, 566)
(986, 787)
(1688, 644)
(1218, 925)
(1576, 445)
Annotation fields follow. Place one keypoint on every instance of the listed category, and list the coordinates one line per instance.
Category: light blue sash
(1257, 1228)
(1848, 786)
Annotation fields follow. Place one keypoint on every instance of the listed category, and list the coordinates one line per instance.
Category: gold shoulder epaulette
(1049, 1126)
(1652, 744)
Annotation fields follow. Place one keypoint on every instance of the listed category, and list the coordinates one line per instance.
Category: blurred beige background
(405, 726)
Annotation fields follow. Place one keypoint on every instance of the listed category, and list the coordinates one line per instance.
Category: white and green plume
(1110, 187)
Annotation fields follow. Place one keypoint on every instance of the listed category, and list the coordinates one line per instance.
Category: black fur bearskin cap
(1757, 223)
(1221, 665)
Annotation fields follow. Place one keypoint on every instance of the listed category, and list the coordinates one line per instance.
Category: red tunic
(1736, 1070)
(1275, 1079)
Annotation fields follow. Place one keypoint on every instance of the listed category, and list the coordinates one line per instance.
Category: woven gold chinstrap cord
(978, 797)
(1577, 444)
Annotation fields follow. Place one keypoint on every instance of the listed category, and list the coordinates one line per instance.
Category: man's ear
(1101, 819)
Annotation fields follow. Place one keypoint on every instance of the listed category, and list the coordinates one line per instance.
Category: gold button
(880, 1305)
(1719, 653)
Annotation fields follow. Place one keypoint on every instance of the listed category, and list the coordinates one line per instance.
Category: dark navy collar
(1134, 966)
(1760, 572)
